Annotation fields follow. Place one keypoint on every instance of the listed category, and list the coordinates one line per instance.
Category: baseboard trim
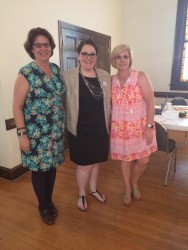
(13, 173)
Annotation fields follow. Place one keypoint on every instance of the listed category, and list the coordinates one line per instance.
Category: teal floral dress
(44, 118)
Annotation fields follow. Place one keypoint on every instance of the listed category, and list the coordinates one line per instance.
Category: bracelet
(21, 128)
(21, 133)
(150, 125)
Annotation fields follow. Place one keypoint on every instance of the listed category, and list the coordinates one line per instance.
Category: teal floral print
(44, 118)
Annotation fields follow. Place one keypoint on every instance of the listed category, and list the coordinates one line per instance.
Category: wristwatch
(150, 125)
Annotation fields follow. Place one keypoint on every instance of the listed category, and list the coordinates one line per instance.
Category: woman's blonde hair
(119, 49)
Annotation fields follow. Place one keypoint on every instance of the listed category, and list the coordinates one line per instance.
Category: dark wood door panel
(104, 45)
(69, 38)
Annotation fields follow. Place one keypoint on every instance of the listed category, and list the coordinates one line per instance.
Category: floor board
(158, 222)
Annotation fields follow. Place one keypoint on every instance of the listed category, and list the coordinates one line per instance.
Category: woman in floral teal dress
(39, 117)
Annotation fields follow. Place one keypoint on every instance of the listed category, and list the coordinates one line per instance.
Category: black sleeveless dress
(92, 141)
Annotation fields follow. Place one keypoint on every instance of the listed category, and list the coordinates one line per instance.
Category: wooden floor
(159, 221)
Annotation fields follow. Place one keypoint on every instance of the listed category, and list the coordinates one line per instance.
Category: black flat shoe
(100, 197)
(46, 216)
(53, 210)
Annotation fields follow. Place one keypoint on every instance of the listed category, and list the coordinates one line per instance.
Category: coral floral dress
(129, 120)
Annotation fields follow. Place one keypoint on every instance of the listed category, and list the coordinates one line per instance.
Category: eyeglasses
(86, 55)
(122, 58)
(39, 45)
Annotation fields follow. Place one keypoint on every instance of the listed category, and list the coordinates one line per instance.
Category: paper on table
(160, 118)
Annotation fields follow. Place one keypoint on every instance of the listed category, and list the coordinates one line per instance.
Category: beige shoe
(127, 198)
(136, 194)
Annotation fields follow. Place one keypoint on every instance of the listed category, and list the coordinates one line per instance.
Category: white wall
(17, 17)
(149, 28)
(3, 143)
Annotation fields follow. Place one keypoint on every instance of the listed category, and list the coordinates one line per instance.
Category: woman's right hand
(24, 143)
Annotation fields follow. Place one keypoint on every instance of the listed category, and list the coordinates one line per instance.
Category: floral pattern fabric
(44, 118)
(129, 121)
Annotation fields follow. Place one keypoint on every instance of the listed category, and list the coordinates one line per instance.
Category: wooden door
(69, 38)
(103, 44)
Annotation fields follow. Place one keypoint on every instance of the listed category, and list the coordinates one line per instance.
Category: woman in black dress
(88, 113)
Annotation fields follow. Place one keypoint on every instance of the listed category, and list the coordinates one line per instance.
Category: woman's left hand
(149, 135)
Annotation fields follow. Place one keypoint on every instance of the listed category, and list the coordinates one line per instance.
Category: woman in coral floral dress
(133, 136)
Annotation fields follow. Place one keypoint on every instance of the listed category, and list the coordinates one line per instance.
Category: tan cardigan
(71, 78)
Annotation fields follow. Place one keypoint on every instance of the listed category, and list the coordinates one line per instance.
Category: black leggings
(43, 185)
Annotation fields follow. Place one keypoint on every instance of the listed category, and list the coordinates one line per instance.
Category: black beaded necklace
(94, 90)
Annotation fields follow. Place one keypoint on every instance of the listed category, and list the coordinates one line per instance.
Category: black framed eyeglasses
(39, 45)
(86, 55)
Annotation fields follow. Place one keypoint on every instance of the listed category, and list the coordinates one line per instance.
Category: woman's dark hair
(33, 33)
(87, 42)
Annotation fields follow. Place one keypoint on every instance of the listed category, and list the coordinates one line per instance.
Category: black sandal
(97, 192)
(84, 209)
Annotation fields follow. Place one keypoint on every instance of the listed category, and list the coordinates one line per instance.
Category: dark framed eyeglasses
(39, 45)
(86, 55)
